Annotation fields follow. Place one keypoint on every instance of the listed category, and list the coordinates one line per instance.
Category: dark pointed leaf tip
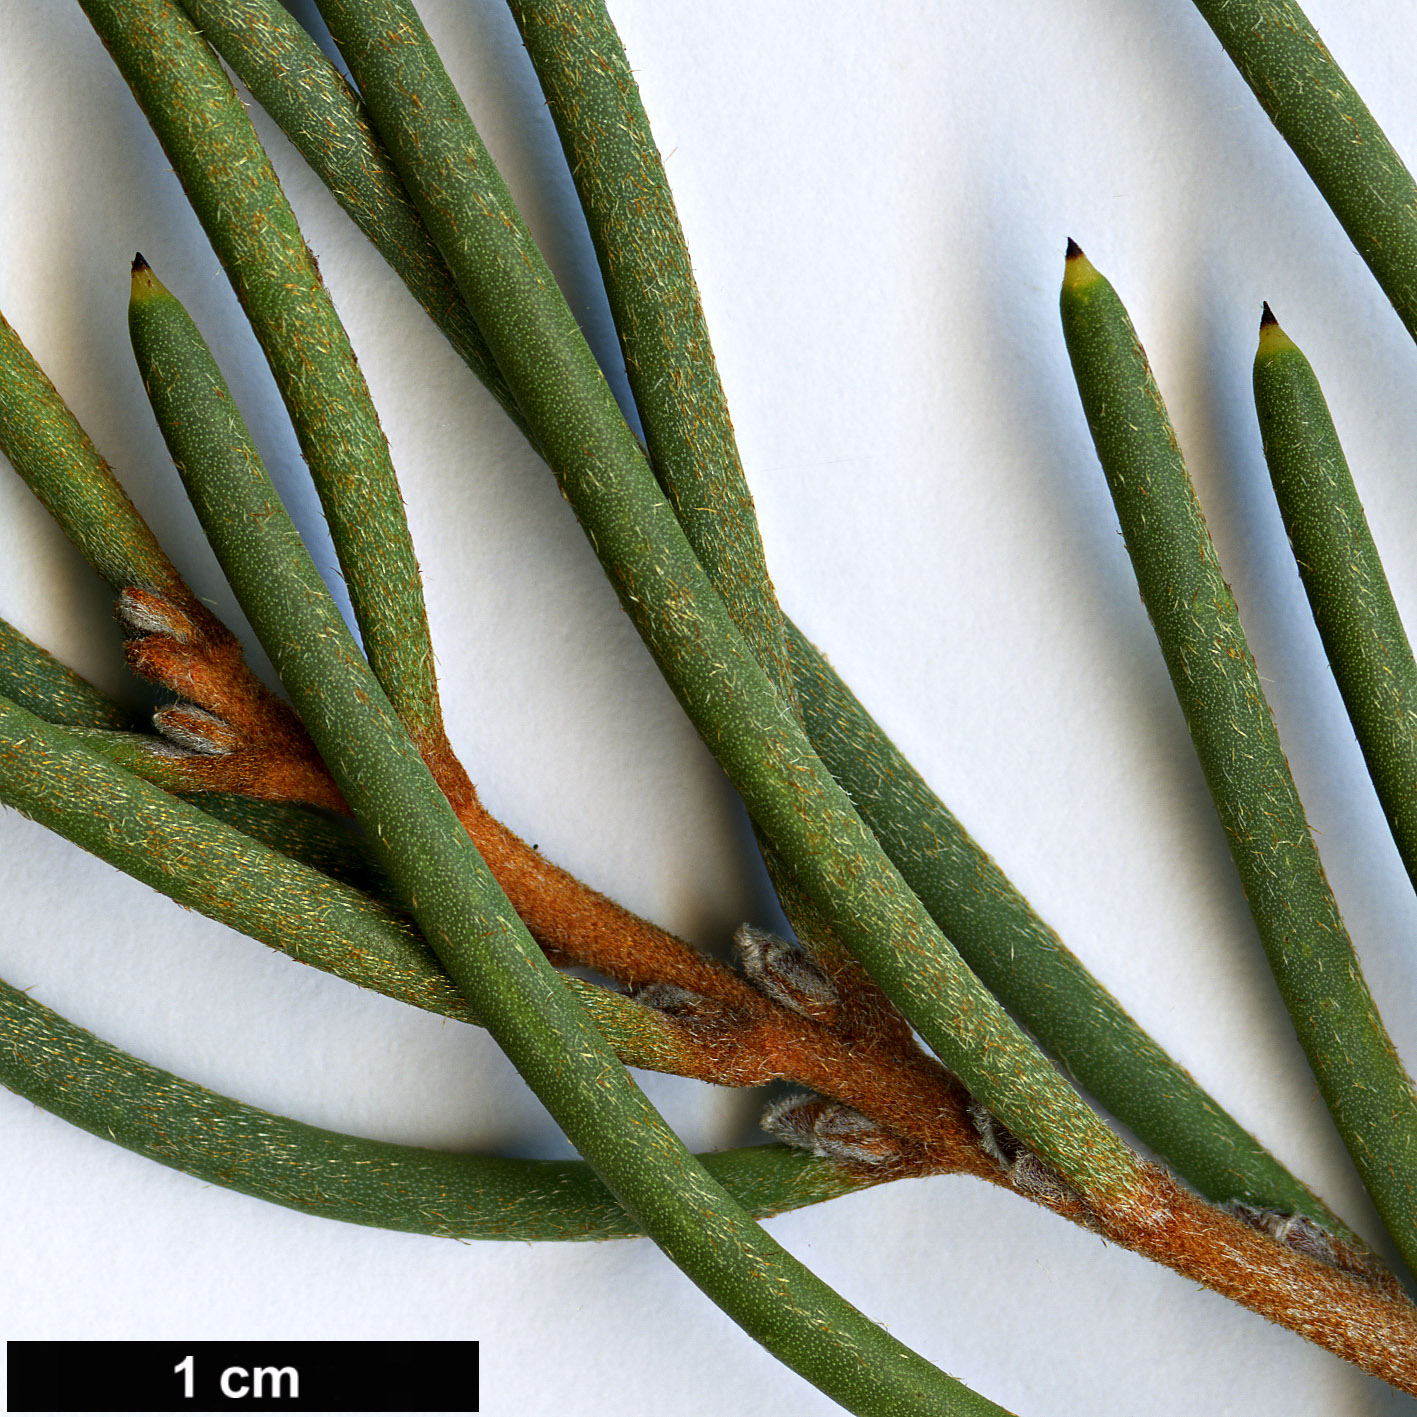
(1074, 250)
(1267, 318)
(139, 264)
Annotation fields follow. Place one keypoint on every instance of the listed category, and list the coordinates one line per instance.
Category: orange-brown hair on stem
(1362, 1317)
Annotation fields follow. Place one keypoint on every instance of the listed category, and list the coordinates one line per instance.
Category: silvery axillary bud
(144, 612)
(682, 1004)
(1028, 1174)
(830, 1129)
(786, 972)
(196, 730)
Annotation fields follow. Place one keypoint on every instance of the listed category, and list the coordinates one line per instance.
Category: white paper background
(877, 197)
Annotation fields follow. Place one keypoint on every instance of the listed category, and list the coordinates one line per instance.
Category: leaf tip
(1078, 271)
(145, 283)
(1272, 338)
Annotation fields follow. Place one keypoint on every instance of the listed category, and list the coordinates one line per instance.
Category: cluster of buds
(161, 641)
(227, 732)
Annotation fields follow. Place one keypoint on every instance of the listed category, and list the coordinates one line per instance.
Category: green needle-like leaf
(1320, 115)
(321, 115)
(61, 466)
(119, 1098)
(468, 921)
(649, 281)
(644, 260)
(1198, 627)
(37, 681)
(212, 146)
(1353, 607)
